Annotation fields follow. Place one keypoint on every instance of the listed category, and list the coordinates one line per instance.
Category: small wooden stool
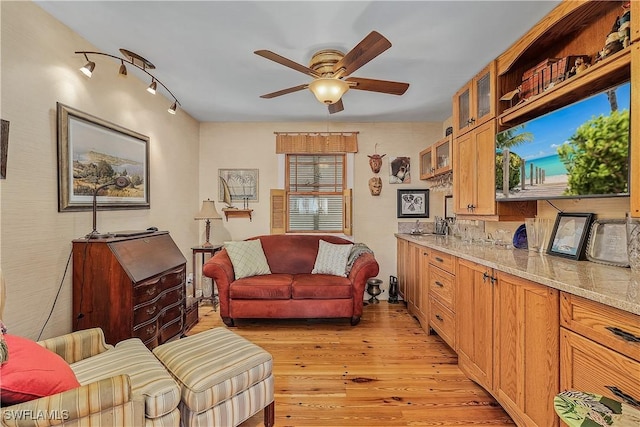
(224, 378)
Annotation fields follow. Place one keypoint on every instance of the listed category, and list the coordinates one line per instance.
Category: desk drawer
(591, 367)
(441, 284)
(443, 261)
(443, 321)
(150, 309)
(150, 289)
(613, 328)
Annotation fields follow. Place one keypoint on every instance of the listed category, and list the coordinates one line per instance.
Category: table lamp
(208, 212)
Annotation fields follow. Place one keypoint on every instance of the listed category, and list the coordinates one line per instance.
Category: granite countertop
(609, 285)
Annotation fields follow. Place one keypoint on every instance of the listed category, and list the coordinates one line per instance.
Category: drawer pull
(623, 334)
(151, 329)
(151, 291)
(624, 396)
(439, 318)
(439, 259)
(151, 310)
(439, 284)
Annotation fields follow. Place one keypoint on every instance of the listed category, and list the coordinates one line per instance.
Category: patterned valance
(316, 142)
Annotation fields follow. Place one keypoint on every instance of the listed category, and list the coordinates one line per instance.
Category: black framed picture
(413, 203)
(569, 235)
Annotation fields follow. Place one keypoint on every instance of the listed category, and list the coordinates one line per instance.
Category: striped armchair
(122, 385)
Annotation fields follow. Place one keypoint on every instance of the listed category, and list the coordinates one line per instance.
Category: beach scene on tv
(579, 150)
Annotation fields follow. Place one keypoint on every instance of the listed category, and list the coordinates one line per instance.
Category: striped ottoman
(224, 378)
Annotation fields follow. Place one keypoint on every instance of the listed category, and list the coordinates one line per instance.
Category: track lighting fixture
(137, 61)
(88, 68)
(152, 87)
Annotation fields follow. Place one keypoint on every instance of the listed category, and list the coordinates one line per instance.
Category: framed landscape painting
(93, 153)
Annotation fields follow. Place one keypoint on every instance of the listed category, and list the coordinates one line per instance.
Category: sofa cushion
(331, 259)
(320, 286)
(149, 379)
(247, 258)
(33, 371)
(269, 286)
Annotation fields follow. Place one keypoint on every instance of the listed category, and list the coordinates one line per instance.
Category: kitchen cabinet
(474, 104)
(599, 349)
(413, 276)
(436, 159)
(526, 349)
(442, 285)
(474, 171)
(474, 321)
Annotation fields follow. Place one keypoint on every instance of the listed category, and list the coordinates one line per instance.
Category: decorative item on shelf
(120, 182)
(207, 212)
(137, 61)
(570, 234)
(373, 289)
(375, 185)
(448, 131)
(607, 242)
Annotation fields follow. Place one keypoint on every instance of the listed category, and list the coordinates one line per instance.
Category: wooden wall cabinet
(599, 349)
(474, 104)
(436, 159)
(130, 287)
(526, 349)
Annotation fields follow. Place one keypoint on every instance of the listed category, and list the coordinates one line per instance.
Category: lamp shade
(328, 90)
(208, 211)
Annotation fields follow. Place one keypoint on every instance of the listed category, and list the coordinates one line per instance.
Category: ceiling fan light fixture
(328, 90)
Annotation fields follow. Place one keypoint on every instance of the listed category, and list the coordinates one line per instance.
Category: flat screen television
(581, 150)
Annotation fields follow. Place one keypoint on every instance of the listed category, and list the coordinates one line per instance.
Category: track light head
(123, 69)
(172, 109)
(152, 87)
(88, 68)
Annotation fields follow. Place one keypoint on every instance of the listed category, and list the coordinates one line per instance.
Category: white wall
(252, 145)
(39, 68)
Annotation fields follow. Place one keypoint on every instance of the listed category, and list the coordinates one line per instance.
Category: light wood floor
(384, 372)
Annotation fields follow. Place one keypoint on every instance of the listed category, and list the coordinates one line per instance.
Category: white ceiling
(203, 50)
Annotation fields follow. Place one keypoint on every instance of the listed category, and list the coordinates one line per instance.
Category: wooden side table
(194, 299)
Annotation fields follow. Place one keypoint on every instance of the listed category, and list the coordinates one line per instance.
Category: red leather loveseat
(291, 290)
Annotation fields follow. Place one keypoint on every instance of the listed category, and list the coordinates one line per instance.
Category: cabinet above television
(572, 28)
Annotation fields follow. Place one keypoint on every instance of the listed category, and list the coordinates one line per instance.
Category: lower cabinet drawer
(588, 366)
(443, 321)
(441, 284)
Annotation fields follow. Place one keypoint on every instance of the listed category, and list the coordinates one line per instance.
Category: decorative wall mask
(375, 161)
(375, 185)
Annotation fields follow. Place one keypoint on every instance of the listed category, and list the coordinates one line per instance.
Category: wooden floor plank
(383, 372)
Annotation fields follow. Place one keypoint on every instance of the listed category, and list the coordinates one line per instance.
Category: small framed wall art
(569, 235)
(413, 203)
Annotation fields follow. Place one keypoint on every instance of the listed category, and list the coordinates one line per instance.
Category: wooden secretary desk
(130, 286)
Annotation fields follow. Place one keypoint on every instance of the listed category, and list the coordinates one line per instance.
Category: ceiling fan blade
(287, 62)
(370, 47)
(336, 107)
(284, 91)
(382, 86)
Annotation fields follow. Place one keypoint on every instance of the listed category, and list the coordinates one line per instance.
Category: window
(314, 186)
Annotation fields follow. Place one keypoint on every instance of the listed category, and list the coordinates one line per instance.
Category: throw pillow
(247, 258)
(332, 258)
(33, 371)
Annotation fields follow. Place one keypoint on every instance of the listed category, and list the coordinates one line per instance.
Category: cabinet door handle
(151, 329)
(485, 276)
(439, 259)
(151, 310)
(439, 284)
(624, 396)
(151, 291)
(623, 334)
(439, 318)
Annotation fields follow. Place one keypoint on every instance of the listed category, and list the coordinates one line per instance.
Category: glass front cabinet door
(474, 103)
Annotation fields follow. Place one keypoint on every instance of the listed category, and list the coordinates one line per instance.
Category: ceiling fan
(330, 68)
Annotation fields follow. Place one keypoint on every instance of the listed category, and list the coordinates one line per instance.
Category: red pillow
(32, 371)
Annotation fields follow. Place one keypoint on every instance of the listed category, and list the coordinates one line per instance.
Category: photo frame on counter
(4, 147)
(569, 235)
(93, 152)
(449, 211)
(413, 203)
